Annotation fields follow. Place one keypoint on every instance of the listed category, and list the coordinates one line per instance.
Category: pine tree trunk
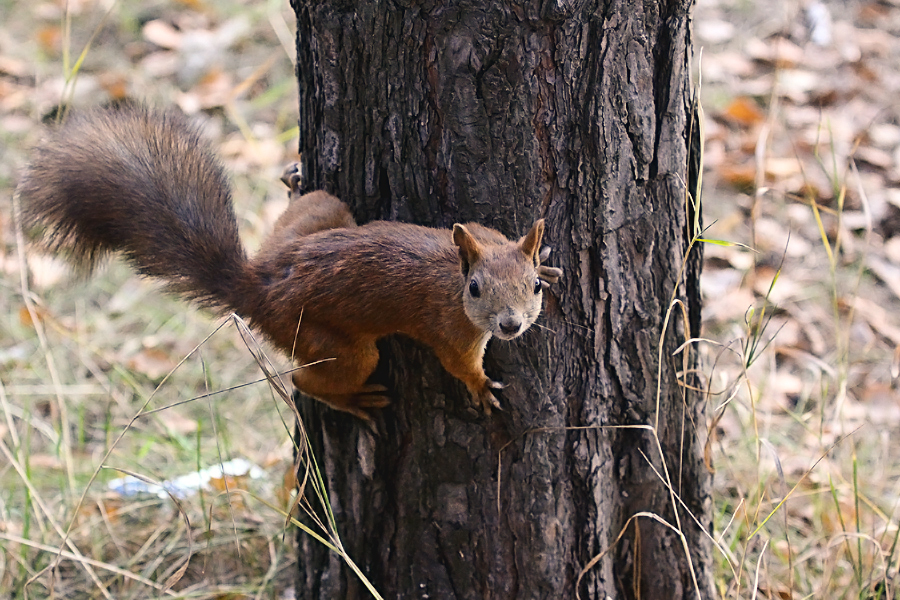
(578, 112)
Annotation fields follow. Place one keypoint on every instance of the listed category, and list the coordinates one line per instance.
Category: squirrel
(321, 288)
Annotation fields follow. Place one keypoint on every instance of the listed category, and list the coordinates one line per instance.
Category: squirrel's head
(503, 292)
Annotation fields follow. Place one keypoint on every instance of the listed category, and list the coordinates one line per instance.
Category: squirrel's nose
(510, 325)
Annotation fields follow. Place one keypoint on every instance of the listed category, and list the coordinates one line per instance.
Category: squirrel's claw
(549, 275)
(293, 176)
(489, 401)
(546, 274)
(371, 395)
(486, 399)
(373, 388)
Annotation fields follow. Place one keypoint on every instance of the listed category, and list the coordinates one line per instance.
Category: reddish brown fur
(321, 288)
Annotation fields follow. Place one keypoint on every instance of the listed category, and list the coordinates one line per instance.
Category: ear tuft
(531, 243)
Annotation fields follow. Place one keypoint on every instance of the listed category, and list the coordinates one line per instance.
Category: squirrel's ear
(531, 243)
(469, 248)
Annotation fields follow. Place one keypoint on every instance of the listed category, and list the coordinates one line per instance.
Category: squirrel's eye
(537, 286)
(473, 289)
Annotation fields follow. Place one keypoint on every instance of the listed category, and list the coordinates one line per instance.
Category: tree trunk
(501, 113)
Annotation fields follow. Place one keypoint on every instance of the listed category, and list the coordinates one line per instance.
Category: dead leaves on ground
(793, 123)
(803, 165)
(810, 108)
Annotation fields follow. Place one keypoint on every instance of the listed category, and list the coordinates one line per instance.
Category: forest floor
(83, 358)
(802, 309)
(802, 167)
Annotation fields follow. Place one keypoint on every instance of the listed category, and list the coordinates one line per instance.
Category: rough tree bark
(500, 112)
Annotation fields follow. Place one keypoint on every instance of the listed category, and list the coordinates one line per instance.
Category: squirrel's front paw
(546, 274)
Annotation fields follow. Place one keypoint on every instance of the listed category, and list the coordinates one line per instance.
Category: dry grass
(80, 361)
(803, 393)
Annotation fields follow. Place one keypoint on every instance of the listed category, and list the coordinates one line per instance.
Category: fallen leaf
(797, 84)
(726, 65)
(779, 168)
(162, 34)
(874, 157)
(155, 363)
(729, 306)
(177, 423)
(213, 90)
(775, 237)
(743, 111)
(115, 85)
(805, 359)
(884, 135)
(881, 402)
(44, 461)
(742, 177)
(50, 39)
(232, 482)
(785, 289)
(877, 318)
(776, 51)
(27, 317)
(714, 31)
(892, 250)
(14, 66)
(886, 272)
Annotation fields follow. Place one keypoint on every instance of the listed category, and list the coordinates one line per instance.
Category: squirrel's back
(146, 184)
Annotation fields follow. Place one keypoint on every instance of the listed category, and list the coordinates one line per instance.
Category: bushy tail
(143, 183)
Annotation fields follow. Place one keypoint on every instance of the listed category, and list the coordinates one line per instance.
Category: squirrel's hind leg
(338, 374)
(358, 404)
(309, 212)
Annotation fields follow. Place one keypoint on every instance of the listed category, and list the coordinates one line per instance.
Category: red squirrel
(321, 288)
